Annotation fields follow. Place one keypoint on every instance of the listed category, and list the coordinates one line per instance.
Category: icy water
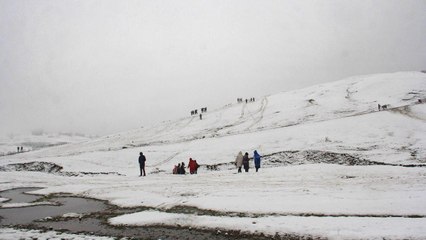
(20, 195)
(94, 219)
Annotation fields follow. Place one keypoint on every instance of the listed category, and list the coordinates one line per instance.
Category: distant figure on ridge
(239, 161)
(256, 158)
(246, 162)
(378, 105)
(142, 160)
(22, 149)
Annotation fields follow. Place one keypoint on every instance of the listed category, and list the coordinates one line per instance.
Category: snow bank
(13, 234)
(328, 227)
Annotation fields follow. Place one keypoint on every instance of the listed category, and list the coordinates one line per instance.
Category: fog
(99, 67)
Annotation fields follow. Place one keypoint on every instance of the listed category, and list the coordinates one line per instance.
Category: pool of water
(26, 215)
(20, 195)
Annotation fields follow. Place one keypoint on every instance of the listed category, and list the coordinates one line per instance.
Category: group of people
(192, 165)
(382, 107)
(243, 161)
(240, 100)
(195, 112)
(20, 149)
(240, 161)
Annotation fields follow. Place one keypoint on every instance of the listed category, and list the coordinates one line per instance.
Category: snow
(9, 144)
(294, 191)
(336, 227)
(18, 205)
(13, 234)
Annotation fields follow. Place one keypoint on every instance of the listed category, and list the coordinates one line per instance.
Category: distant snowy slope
(9, 144)
(340, 117)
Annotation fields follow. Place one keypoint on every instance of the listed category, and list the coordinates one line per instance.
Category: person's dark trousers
(246, 169)
(142, 168)
(239, 169)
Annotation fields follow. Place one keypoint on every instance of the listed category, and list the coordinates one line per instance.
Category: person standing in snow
(142, 161)
(256, 158)
(239, 161)
(192, 165)
(182, 168)
(246, 162)
(196, 166)
(179, 169)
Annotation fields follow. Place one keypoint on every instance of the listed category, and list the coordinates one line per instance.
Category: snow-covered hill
(341, 117)
(327, 152)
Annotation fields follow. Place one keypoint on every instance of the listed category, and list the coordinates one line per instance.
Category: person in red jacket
(193, 166)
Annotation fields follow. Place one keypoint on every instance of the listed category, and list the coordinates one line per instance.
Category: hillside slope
(340, 117)
(333, 166)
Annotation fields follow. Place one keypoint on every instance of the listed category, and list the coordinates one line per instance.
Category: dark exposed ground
(283, 158)
(286, 158)
(47, 167)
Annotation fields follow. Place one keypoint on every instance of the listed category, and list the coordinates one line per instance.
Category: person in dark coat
(196, 166)
(142, 161)
(182, 168)
(246, 162)
(179, 169)
(256, 158)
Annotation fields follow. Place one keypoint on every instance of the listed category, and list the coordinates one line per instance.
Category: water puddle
(20, 195)
(91, 217)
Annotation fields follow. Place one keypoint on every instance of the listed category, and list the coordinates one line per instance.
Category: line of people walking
(195, 112)
(244, 161)
(240, 100)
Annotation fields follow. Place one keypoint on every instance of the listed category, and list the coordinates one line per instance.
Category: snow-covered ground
(13, 234)
(9, 144)
(334, 166)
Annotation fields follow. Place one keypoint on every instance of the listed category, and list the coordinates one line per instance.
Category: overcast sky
(100, 67)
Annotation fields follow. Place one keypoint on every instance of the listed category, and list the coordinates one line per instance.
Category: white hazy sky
(102, 66)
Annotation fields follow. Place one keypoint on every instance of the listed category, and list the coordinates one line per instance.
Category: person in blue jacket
(256, 158)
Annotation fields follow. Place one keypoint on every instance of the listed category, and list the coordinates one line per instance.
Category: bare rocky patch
(48, 167)
(286, 158)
